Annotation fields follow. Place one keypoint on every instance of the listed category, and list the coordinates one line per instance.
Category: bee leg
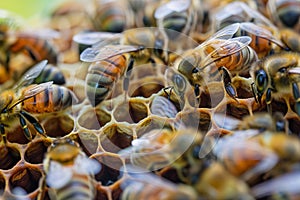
(254, 91)
(2, 131)
(127, 75)
(296, 93)
(269, 99)
(230, 89)
(38, 127)
(168, 94)
(25, 128)
(197, 92)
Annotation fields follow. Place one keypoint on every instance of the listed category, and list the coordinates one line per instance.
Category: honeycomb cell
(2, 184)
(197, 119)
(26, 177)
(146, 87)
(131, 111)
(9, 156)
(58, 125)
(115, 137)
(152, 122)
(93, 118)
(111, 165)
(17, 135)
(88, 141)
(36, 150)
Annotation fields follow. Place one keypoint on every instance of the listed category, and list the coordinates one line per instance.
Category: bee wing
(287, 183)
(58, 175)
(226, 32)
(36, 89)
(85, 165)
(29, 76)
(228, 48)
(295, 70)
(163, 107)
(91, 38)
(95, 54)
(139, 175)
(171, 6)
(225, 121)
(260, 32)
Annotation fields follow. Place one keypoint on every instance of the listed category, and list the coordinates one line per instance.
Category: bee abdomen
(51, 99)
(79, 188)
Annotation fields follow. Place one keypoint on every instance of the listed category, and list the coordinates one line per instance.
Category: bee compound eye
(179, 82)
(261, 80)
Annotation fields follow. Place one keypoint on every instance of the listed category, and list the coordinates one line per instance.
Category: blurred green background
(29, 8)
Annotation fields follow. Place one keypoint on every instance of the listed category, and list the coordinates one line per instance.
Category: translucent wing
(226, 48)
(36, 89)
(295, 70)
(58, 175)
(260, 32)
(163, 107)
(171, 6)
(226, 32)
(286, 184)
(85, 165)
(108, 51)
(91, 38)
(225, 121)
(31, 74)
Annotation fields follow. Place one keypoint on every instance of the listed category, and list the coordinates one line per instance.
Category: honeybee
(32, 99)
(112, 16)
(285, 13)
(141, 185)
(159, 148)
(115, 58)
(178, 15)
(258, 121)
(66, 160)
(220, 52)
(277, 76)
(238, 12)
(9, 101)
(248, 156)
(278, 187)
(51, 73)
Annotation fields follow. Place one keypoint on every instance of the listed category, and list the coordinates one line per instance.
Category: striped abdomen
(52, 99)
(101, 77)
(79, 188)
(37, 48)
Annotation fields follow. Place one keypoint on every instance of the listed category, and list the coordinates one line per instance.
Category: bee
(33, 99)
(115, 58)
(219, 53)
(249, 155)
(141, 185)
(51, 73)
(258, 121)
(278, 188)
(238, 12)
(9, 101)
(112, 16)
(285, 13)
(33, 45)
(178, 15)
(277, 76)
(66, 160)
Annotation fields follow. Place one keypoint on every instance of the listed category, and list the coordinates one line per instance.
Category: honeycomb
(114, 127)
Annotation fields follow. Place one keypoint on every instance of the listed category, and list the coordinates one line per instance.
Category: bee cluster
(142, 99)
